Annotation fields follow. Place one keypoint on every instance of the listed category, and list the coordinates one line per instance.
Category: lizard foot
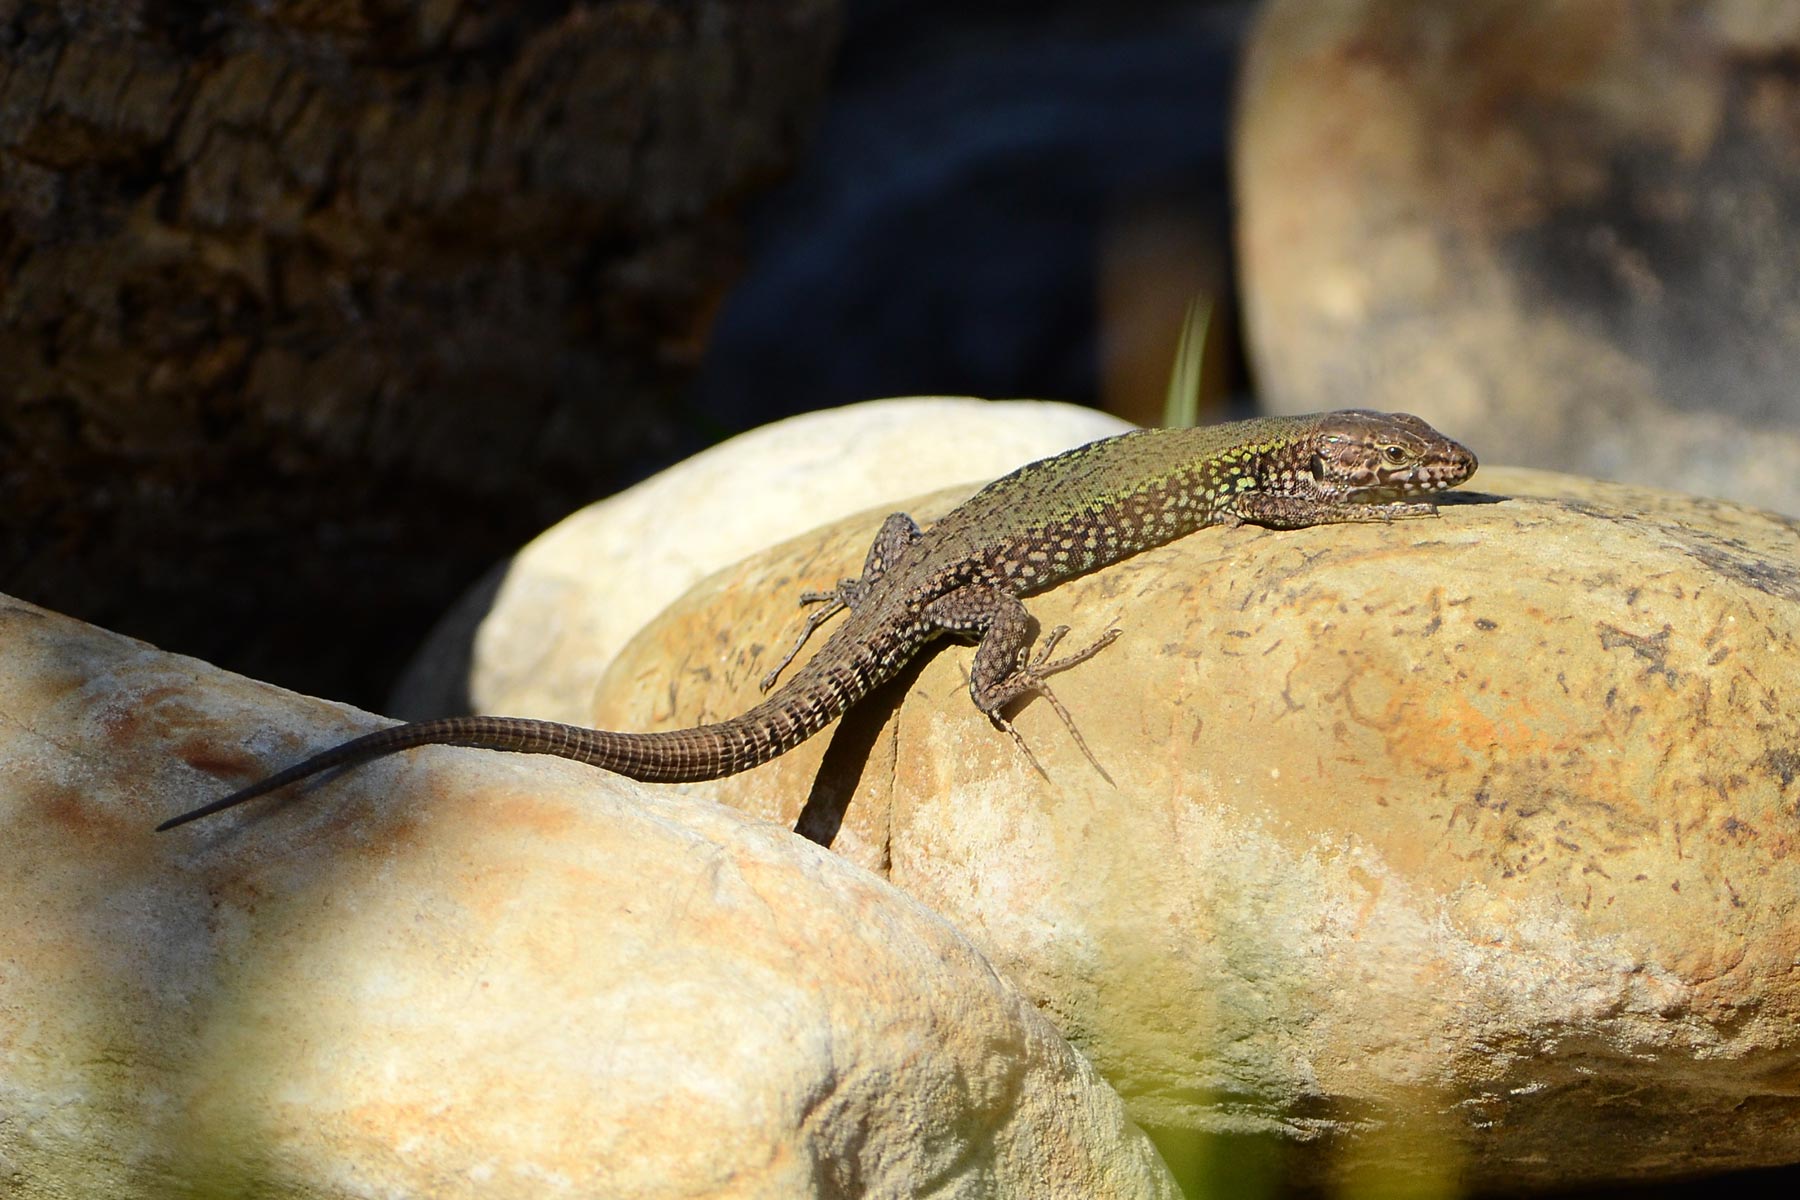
(834, 602)
(1033, 680)
(1040, 667)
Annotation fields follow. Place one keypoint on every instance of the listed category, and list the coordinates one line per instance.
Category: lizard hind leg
(1034, 677)
(897, 533)
(834, 603)
(1001, 673)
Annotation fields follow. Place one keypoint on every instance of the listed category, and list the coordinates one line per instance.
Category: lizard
(965, 576)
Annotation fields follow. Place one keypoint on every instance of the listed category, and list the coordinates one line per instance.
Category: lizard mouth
(1368, 485)
(1390, 490)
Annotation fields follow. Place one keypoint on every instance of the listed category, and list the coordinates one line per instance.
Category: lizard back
(1096, 504)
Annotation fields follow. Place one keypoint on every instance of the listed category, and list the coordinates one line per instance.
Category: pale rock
(451, 973)
(544, 628)
(1456, 848)
(1563, 232)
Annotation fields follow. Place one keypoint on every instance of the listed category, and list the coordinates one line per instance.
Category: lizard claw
(834, 602)
(1001, 722)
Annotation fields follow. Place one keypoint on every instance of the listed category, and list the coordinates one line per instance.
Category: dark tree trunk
(309, 313)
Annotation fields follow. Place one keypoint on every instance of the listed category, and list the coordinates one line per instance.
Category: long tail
(818, 694)
(674, 756)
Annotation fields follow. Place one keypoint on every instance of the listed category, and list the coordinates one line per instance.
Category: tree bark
(310, 311)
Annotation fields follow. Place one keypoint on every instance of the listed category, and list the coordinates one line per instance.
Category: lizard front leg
(897, 533)
(1000, 673)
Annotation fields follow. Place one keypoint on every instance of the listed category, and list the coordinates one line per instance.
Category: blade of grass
(1181, 408)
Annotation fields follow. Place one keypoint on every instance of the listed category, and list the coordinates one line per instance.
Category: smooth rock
(1566, 232)
(462, 974)
(543, 630)
(1460, 847)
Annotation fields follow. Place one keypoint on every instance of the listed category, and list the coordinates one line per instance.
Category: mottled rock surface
(1463, 844)
(460, 974)
(1569, 232)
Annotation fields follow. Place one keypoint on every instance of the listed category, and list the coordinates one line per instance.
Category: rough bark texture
(310, 310)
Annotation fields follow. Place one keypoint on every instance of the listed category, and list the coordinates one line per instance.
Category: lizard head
(1365, 457)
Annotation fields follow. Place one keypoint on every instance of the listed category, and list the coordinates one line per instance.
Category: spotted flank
(1113, 498)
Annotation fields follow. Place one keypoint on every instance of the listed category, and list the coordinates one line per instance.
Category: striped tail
(815, 698)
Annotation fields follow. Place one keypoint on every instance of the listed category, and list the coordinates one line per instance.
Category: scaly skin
(1046, 522)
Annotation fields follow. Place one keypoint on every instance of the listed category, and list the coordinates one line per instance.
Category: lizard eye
(1394, 454)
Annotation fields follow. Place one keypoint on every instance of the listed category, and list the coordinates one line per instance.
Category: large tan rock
(1459, 845)
(464, 974)
(536, 637)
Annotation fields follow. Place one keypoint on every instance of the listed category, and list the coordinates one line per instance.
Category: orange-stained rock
(463, 974)
(1460, 844)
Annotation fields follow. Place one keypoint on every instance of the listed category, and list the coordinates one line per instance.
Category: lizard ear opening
(1318, 468)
